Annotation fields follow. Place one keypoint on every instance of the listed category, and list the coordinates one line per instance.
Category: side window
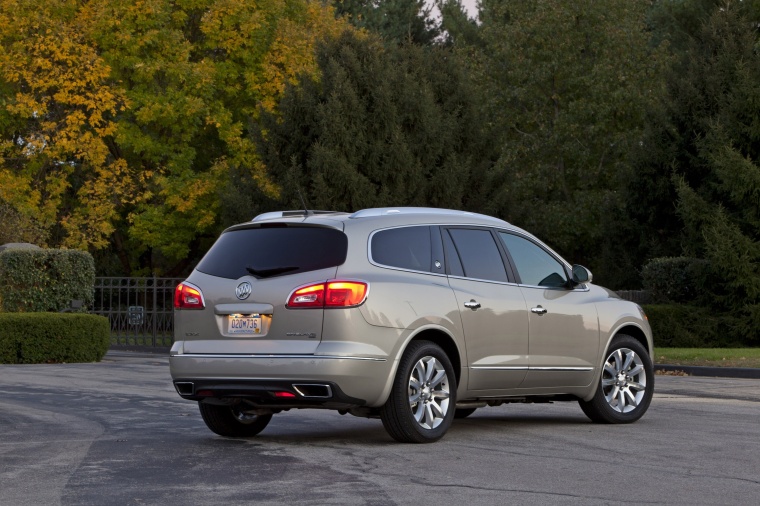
(535, 266)
(406, 248)
(478, 253)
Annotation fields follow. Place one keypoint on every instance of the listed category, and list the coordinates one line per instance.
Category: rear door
(492, 308)
(246, 279)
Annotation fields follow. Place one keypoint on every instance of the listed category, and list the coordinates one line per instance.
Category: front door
(564, 328)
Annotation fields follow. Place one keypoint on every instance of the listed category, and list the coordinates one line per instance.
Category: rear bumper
(350, 380)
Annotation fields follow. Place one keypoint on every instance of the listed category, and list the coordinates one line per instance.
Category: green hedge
(45, 280)
(675, 279)
(33, 338)
(684, 326)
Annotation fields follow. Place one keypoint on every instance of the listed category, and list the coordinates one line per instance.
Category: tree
(567, 83)
(396, 21)
(57, 119)
(717, 171)
(123, 121)
(383, 126)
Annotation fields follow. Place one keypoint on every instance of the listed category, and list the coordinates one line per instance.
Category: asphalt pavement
(115, 432)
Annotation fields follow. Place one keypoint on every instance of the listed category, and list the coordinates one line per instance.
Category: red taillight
(285, 395)
(337, 293)
(187, 296)
(308, 296)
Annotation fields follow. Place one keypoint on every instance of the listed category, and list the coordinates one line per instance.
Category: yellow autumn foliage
(126, 117)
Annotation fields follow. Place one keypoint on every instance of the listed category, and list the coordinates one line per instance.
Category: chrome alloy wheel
(624, 380)
(429, 392)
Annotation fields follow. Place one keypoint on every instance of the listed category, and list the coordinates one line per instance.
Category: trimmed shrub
(675, 279)
(45, 280)
(683, 326)
(34, 338)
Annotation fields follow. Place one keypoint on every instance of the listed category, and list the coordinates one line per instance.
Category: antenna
(303, 203)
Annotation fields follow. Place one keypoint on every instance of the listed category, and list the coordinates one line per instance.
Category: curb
(714, 372)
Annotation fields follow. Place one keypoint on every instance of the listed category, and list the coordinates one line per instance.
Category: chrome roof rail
(293, 214)
(390, 211)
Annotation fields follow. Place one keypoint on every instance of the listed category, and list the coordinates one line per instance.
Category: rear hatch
(246, 279)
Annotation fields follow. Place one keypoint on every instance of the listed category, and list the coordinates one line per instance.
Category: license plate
(248, 325)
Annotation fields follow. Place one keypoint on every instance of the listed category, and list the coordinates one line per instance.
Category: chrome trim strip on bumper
(310, 357)
(523, 368)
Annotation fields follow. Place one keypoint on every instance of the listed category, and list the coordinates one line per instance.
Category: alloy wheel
(624, 380)
(429, 392)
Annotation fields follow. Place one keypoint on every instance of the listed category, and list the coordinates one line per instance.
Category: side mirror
(581, 275)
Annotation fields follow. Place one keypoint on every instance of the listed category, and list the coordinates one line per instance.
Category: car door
(564, 328)
(493, 311)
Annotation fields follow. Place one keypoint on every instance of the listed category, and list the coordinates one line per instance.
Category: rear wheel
(231, 421)
(626, 385)
(420, 408)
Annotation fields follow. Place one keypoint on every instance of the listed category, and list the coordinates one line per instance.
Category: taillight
(187, 296)
(336, 293)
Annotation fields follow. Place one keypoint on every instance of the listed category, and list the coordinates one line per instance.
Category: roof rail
(292, 214)
(389, 211)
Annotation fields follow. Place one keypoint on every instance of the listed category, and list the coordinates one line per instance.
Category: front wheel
(626, 385)
(231, 421)
(420, 408)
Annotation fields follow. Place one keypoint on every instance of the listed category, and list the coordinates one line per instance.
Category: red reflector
(288, 395)
(187, 296)
(204, 393)
(335, 293)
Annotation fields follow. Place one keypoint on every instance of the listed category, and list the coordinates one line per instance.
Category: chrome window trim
(484, 280)
(255, 356)
(584, 289)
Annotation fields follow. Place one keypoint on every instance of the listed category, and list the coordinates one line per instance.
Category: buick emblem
(243, 290)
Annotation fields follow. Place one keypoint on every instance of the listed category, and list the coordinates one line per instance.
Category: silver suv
(416, 316)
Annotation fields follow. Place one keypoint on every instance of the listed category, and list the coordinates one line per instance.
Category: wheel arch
(635, 332)
(447, 344)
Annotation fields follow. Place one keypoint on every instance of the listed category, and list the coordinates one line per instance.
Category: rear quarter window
(274, 251)
(405, 248)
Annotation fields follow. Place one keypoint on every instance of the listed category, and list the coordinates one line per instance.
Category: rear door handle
(473, 304)
(538, 310)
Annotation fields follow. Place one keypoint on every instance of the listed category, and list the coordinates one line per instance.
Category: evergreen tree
(383, 126)
(566, 84)
(718, 182)
(396, 21)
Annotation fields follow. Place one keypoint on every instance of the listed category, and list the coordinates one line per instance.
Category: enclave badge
(243, 290)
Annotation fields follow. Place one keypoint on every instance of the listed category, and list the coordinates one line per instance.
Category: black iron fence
(140, 309)
(637, 296)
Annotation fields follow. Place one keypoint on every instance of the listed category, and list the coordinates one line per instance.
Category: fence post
(154, 308)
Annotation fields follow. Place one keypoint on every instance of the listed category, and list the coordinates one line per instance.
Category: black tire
(229, 421)
(435, 406)
(613, 404)
(463, 412)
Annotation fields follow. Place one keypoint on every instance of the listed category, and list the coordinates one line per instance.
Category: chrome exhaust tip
(184, 387)
(313, 390)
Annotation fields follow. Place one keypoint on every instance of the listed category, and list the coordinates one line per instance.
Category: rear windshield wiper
(266, 273)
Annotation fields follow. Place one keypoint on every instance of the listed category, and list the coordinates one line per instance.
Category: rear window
(269, 252)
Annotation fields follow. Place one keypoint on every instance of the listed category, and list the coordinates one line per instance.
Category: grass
(712, 357)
